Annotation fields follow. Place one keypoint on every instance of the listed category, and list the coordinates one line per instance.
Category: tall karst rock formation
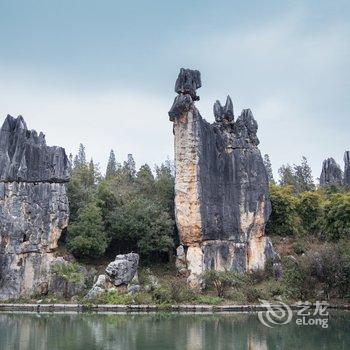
(221, 187)
(33, 208)
(331, 173)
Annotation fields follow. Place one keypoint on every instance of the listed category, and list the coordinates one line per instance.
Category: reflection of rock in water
(255, 342)
(163, 331)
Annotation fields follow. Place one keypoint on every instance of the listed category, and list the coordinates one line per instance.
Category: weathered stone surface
(187, 82)
(25, 157)
(331, 173)
(133, 288)
(347, 168)
(123, 268)
(221, 190)
(226, 112)
(33, 212)
(121, 271)
(98, 288)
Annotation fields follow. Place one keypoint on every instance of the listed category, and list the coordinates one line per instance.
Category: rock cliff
(331, 173)
(33, 208)
(221, 186)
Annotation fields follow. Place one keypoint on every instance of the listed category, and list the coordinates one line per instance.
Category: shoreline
(80, 308)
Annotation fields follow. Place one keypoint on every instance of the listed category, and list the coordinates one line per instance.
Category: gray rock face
(226, 112)
(188, 81)
(123, 268)
(347, 168)
(33, 208)
(25, 157)
(221, 190)
(331, 173)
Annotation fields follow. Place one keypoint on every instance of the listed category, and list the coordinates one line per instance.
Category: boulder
(123, 268)
(122, 272)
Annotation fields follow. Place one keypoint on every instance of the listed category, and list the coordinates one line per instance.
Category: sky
(102, 73)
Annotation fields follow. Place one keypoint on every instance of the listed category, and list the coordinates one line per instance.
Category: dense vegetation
(132, 210)
(125, 210)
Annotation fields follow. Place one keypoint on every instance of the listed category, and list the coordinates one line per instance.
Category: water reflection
(164, 331)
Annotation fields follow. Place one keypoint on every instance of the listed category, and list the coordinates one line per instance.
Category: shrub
(331, 267)
(69, 273)
(208, 300)
(114, 298)
(295, 279)
(336, 219)
(221, 280)
(299, 248)
(309, 208)
(173, 292)
(252, 294)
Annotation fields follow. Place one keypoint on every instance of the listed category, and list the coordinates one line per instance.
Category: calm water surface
(21, 331)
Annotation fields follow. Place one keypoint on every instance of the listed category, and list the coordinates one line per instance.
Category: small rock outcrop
(67, 280)
(121, 271)
(331, 173)
(347, 168)
(33, 208)
(221, 187)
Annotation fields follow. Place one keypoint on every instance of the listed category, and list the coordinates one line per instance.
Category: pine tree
(86, 236)
(130, 167)
(298, 176)
(268, 167)
(80, 158)
(303, 176)
(111, 166)
(287, 177)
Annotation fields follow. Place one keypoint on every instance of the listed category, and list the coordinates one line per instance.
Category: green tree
(303, 177)
(86, 236)
(268, 167)
(299, 177)
(309, 208)
(284, 219)
(80, 158)
(111, 166)
(145, 181)
(84, 179)
(130, 167)
(287, 177)
(336, 218)
(142, 225)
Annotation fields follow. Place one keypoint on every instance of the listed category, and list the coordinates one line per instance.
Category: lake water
(29, 331)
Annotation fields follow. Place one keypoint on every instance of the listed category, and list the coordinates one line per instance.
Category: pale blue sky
(102, 72)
